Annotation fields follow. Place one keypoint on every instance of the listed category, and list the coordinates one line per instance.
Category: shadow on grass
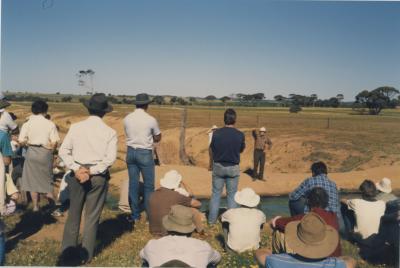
(29, 224)
(111, 229)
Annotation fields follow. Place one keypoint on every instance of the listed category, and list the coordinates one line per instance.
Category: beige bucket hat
(247, 197)
(385, 185)
(171, 180)
(179, 219)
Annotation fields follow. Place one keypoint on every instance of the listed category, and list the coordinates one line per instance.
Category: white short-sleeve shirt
(140, 127)
(244, 228)
(194, 252)
(39, 131)
(368, 215)
(6, 122)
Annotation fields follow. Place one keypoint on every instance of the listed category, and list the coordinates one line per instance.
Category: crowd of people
(310, 237)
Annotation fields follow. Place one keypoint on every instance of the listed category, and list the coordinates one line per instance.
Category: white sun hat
(385, 185)
(171, 180)
(263, 129)
(247, 197)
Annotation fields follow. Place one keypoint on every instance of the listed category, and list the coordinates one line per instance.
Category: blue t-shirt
(289, 261)
(5, 144)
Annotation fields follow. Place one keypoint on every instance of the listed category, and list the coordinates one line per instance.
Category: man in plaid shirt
(319, 179)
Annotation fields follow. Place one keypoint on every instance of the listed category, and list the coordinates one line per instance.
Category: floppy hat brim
(379, 187)
(166, 184)
(142, 102)
(108, 109)
(318, 251)
(248, 203)
(174, 227)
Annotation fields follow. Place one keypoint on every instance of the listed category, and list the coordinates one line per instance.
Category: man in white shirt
(243, 232)
(178, 245)
(141, 130)
(363, 216)
(89, 150)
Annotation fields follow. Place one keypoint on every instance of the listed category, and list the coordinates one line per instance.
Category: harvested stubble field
(348, 142)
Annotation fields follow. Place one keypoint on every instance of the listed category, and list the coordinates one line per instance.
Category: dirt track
(199, 179)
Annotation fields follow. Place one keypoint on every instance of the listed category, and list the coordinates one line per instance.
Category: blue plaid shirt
(318, 181)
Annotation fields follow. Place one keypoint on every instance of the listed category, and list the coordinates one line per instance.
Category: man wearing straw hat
(89, 150)
(178, 246)
(260, 142)
(384, 188)
(141, 131)
(313, 241)
(168, 195)
(243, 232)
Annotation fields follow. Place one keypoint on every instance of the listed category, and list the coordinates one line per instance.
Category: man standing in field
(142, 131)
(227, 143)
(89, 150)
(260, 141)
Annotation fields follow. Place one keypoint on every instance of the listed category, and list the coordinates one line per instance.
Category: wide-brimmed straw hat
(98, 102)
(385, 185)
(311, 237)
(142, 99)
(171, 180)
(263, 129)
(179, 219)
(247, 197)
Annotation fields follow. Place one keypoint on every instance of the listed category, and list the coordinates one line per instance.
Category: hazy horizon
(200, 48)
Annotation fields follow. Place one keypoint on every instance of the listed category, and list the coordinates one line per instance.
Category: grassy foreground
(117, 245)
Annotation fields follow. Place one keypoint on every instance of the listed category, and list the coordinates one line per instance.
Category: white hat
(171, 180)
(385, 185)
(263, 129)
(247, 197)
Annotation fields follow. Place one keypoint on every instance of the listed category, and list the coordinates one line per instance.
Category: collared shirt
(368, 215)
(194, 252)
(6, 122)
(39, 131)
(289, 261)
(140, 127)
(90, 143)
(322, 181)
(244, 228)
(260, 141)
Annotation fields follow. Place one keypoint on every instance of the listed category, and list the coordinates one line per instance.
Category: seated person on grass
(317, 201)
(384, 188)
(165, 197)
(319, 178)
(362, 216)
(244, 223)
(178, 245)
(313, 241)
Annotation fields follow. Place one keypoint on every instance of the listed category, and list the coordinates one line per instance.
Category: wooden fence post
(182, 151)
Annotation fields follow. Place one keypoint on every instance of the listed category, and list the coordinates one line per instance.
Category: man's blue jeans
(221, 176)
(2, 248)
(140, 161)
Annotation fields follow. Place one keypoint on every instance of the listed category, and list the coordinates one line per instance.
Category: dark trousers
(210, 156)
(93, 195)
(296, 207)
(259, 159)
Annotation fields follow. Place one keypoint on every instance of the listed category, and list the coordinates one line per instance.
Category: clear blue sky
(196, 48)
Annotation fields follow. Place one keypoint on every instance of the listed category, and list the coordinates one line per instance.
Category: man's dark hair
(47, 116)
(230, 117)
(317, 198)
(96, 113)
(174, 263)
(142, 106)
(319, 168)
(368, 190)
(39, 107)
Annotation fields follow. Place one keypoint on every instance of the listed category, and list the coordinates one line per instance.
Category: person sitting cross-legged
(317, 200)
(165, 197)
(313, 241)
(178, 245)
(362, 217)
(243, 232)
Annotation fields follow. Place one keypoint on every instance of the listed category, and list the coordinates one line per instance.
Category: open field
(360, 146)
